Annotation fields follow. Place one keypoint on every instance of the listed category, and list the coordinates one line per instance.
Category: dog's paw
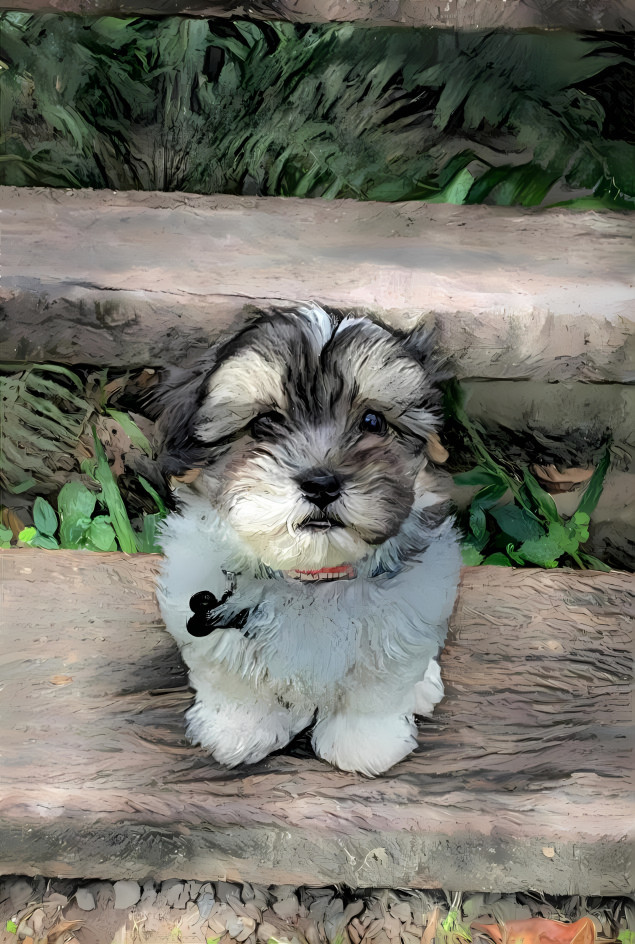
(368, 744)
(429, 691)
(243, 733)
(210, 614)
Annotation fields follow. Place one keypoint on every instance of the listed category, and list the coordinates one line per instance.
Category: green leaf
(451, 920)
(154, 494)
(477, 476)
(545, 551)
(44, 516)
(543, 500)
(12, 927)
(26, 535)
(484, 499)
(498, 559)
(470, 555)
(75, 499)
(102, 534)
(456, 191)
(620, 157)
(113, 500)
(75, 504)
(131, 430)
(626, 937)
(593, 563)
(73, 531)
(593, 490)
(565, 536)
(146, 536)
(6, 535)
(45, 541)
(478, 523)
(514, 555)
(22, 486)
(578, 527)
(518, 523)
(489, 496)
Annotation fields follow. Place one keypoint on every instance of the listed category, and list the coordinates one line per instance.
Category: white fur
(360, 652)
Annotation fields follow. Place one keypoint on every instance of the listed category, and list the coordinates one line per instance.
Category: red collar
(343, 572)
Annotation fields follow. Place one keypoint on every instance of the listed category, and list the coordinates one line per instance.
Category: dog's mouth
(320, 524)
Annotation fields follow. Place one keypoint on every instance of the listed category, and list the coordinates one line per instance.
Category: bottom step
(521, 780)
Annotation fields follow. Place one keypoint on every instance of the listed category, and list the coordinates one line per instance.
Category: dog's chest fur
(319, 639)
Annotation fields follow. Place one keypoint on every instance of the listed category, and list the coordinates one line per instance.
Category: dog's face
(312, 437)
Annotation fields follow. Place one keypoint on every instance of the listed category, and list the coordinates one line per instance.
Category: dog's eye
(373, 423)
(266, 423)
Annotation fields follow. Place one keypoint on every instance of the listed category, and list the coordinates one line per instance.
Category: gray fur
(283, 401)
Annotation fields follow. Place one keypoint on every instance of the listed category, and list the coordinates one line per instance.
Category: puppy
(313, 545)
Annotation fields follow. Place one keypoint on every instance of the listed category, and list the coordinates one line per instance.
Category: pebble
(85, 899)
(247, 892)
(103, 893)
(127, 894)
(20, 893)
(205, 904)
(177, 896)
(287, 908)
(193, 888)
(149, 893)
(224, 889)
(280, 892)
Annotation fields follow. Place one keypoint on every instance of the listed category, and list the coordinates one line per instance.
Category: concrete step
(522, 779)
(459, 14)
(141, 279)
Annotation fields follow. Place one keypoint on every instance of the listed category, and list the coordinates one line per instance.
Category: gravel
(182, 912)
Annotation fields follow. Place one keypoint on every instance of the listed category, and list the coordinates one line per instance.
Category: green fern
(329, 111)
(42, 415)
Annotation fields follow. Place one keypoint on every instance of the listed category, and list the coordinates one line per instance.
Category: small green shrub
(529, 531)
(80, 523)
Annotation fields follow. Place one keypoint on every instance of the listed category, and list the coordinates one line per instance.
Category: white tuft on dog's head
(310, 432)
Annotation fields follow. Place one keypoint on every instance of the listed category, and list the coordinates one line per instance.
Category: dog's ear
(436, 450)
(174, 403)
(420, 343)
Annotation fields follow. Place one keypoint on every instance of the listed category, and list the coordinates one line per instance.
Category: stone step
(459, 14)
(142, 279)
(522, 780)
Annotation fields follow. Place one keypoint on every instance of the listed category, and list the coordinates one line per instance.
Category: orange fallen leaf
(431, 927)
(61, 679)
(62, 932)
(539, 931)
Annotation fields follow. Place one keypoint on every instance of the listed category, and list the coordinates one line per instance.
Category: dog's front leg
(367, 734)
(237, 717)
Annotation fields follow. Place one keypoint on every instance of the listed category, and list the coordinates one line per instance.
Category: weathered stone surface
(127, 894)
(147, 278)
(85, 899)
(461, 14)
(530, 749)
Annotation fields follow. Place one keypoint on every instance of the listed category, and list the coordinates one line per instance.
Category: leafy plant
(530, 531)
(319, 110)
(42, 415)
(45, 438)
(78, 525)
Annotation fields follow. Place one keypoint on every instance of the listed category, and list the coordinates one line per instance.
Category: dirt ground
(63, 911)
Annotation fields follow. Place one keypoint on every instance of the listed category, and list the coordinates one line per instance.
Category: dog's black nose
(321, 488)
